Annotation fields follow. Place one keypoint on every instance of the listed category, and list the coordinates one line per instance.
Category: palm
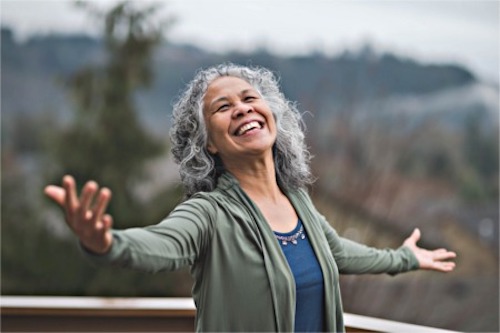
(430, 259)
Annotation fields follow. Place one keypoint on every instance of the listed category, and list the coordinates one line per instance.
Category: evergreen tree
(106, 141)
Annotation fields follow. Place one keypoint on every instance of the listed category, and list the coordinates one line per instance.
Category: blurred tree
(480, 150)
(106, 141)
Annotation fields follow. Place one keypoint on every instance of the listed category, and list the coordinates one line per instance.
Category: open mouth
(245, 128)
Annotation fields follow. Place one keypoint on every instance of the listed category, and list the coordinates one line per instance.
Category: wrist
(96, 250)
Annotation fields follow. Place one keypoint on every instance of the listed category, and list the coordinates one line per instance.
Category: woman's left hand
(437, 260)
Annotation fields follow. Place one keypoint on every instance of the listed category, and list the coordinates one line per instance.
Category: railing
(91, 314)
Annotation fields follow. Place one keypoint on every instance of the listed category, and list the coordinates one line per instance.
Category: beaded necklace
(292, 238)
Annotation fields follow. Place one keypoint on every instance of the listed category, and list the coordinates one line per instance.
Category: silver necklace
(293, 238)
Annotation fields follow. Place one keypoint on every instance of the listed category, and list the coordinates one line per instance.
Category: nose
(241, 109)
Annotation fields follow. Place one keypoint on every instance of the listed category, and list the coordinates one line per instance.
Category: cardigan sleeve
(355, 258)
(179, 240)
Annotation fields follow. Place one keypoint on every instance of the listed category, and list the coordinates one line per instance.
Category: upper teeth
(247, 127)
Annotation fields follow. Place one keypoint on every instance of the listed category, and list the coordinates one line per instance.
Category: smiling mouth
(248, 127)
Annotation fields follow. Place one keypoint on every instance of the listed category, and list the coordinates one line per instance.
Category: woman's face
(239, 122)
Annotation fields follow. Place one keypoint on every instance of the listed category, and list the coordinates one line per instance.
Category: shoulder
(202, 202)
(208, 202)
(197, 210)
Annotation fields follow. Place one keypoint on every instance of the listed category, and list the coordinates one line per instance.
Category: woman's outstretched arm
(356, 258)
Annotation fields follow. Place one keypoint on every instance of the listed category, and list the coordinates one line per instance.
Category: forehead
(225, 87)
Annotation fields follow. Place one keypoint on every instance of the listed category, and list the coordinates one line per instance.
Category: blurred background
(400, 99)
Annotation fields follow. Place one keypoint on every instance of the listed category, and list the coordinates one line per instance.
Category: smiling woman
(262, 257)
(200, 169)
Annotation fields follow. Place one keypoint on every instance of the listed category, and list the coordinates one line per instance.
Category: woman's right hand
(85, 215)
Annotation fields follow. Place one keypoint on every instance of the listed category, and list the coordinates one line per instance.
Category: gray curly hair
(199, 169)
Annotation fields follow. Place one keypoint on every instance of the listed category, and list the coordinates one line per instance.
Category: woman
(262, 257)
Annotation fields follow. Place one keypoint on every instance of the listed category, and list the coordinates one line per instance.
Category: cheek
(213, 131)
(218, 124)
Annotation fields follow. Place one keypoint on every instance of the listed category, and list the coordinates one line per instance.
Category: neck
(257, 178)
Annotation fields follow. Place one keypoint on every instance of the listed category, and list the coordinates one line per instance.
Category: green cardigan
(242, 281)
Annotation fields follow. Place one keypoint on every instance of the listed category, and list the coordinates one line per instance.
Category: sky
(446, 31)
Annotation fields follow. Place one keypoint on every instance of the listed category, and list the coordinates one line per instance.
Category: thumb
(414, 237)
(56, 193)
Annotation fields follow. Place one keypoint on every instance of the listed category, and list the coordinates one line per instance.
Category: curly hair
(199, 169)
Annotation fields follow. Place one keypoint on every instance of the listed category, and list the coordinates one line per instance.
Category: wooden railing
(91, 314)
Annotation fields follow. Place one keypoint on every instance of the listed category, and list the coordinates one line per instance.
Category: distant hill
(33, 74)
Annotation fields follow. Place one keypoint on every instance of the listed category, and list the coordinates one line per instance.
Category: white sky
(465, 32)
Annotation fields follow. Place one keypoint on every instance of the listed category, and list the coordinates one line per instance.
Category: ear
(211, 147)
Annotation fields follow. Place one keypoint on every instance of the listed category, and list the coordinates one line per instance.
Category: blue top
(309, 307)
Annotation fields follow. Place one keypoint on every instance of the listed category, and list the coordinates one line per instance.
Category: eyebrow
(224, 98)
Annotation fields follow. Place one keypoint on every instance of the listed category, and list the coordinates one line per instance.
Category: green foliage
(481, 153)
(480, 149)
(36, 258)
(26, 134)
(468, 162)
(432, 160)
(106, 141)
(471, 186)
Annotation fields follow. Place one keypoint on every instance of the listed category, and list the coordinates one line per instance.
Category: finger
(104, 224)
(101, 204)
(107, 221)
(88, 193)
(101, 230)
(56, 193)
(103, 227)
(414, 237)
(71, 201)
(444, 255)
(444, 266)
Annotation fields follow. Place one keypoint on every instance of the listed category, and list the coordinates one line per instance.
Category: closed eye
(223, 107)
(249, 98)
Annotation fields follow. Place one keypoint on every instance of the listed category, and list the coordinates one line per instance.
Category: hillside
(33, 75)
